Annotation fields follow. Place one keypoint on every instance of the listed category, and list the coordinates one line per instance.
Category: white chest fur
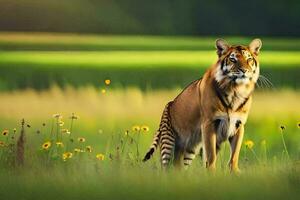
(228, 124)
(235, 98)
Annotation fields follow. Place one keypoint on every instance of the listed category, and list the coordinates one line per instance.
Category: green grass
(137, 59)
(140, 183)
(39, 60)
(55, 41)
(103, 120)
(145, 69)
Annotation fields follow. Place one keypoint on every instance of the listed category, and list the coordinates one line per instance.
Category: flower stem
(255, 155)
(284, 145)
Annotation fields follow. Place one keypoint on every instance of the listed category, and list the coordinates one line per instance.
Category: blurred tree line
(154, 17)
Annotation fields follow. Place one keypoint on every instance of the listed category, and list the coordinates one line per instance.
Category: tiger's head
(237, 64)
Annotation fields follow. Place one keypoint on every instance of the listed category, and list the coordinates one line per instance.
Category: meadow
(91, 105)
(117, 127)
(40, 60)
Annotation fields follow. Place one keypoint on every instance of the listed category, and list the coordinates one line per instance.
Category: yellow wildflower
(136, 128)
(88, 149)
(5, 132)
(46, 145)
(100, 156)
(81, 139)
(67, 155)
(2, 144)
(103, 91)
(78, 150)
(59, 144)
(249, 144)
(57, 116)
(73, 116)
(60, 123)
(298, 124)
(126, 132)
(65, 131)
(107, 82)
(145, 128)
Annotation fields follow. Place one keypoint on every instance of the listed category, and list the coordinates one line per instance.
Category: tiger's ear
(222, 47)
(255, 46)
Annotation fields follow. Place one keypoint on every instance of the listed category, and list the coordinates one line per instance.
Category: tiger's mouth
(240, 78)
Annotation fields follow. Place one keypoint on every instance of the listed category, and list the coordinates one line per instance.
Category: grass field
(104, 119)
(40, 60)
(137, 59)
(72, 42)
(98, 154)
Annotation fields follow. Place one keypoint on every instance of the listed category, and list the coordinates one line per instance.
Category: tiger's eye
(250, 60)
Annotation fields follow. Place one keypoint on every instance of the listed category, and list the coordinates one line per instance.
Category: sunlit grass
(137, 59)
(111, 131)
(118, 110)
(38, 60)
(90, 102)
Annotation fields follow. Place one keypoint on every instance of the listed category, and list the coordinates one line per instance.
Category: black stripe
(166, 148)
(188, 159)
(170, 146)
(168, 132)
(219, 94)
(255, 63)
(226, 71)
(168, 138)
(240, 48)
(168, 142)
(167, 145)
(222, 65)
(164, 127)
(163, 122)
(242, 104)
(237, 124)
(148, 155)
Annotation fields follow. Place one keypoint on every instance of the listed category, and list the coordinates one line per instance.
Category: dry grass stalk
(21, 146)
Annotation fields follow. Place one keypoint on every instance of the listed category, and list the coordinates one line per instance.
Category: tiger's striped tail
(164, 137)
(153, 147)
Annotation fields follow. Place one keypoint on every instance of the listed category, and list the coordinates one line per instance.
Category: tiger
(210, 110)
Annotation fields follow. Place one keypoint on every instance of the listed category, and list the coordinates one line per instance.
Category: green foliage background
(159, 17)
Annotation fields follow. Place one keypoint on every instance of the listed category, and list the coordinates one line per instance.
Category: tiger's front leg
(209, 143)
(235, 144)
